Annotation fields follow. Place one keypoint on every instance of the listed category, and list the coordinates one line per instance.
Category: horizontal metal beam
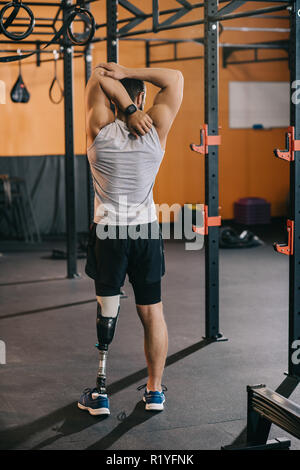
(178, 59)
(24, 41)
(273, 17)
(254, 61)
(45, 51)
(77, 56)
(282, 44)
(246, 29)
(245, 14)
(162, 41)
(40, 19)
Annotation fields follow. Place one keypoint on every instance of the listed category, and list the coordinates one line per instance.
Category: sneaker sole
(99, 411)
(154, 406)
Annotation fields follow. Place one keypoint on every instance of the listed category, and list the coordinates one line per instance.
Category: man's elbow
(178, 77)
(179, 80)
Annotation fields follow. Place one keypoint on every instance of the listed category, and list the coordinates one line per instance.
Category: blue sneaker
(154, 400)
(93, 402)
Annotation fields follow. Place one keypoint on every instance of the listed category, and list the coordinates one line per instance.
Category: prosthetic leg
(107, 317)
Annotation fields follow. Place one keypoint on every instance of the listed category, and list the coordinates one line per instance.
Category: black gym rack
(259, 420)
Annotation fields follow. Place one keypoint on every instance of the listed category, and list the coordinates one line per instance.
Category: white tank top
(124, 171)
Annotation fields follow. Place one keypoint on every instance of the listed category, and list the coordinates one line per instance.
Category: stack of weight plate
(252, 211)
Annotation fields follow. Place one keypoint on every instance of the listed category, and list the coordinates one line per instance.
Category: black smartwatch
(130, 109)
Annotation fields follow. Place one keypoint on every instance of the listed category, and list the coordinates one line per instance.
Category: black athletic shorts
(134, 250)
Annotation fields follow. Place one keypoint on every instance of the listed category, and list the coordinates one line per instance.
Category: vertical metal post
(147, 49)
(112, 29)
(294, 284)
(69, 153)
(90, 187)
(211, 59)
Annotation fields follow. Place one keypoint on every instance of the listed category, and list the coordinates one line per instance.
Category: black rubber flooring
(49, 331)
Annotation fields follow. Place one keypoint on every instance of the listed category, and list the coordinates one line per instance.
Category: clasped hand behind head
(138, 122)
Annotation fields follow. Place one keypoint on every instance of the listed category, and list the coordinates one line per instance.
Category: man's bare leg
(155, 342)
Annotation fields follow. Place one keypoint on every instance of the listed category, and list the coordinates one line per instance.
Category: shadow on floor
(46, 309)
(137, 417)
(74, 421)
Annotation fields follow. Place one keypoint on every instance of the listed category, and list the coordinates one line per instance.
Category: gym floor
(49, 331)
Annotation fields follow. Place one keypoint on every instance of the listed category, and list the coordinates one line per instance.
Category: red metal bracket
(205, 141)
(289, 248)
(292, 146)
(207, 222)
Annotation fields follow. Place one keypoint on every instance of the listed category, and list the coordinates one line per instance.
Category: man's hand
(139, 123)
(112, 70)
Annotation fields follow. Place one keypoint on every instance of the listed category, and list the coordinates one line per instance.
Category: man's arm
(167, 101)
(100, 91)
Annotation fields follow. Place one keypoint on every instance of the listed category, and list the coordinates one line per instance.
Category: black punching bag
(19, 92)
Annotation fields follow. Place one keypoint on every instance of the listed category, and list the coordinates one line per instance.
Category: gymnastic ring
(16, 5)
(80, 39)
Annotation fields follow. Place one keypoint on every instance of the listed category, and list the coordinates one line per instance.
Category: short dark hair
(133, 87)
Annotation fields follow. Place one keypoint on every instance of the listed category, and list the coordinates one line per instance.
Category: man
(125, 153)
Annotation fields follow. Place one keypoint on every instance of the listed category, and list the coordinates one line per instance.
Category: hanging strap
(20, 68)
(55, 79)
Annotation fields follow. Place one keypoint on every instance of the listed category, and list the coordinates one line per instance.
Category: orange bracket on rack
(207, 222)
(289, 248)
(292, 146)
(205, 141)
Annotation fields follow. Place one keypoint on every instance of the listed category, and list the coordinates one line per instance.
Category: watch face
(131, 109)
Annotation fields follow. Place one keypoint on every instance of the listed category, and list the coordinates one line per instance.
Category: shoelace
(163, 387)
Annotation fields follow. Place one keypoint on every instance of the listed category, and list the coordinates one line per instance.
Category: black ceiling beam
(234, 5)
(131, 8)
(24, 41)
(165, 28)
(183, 11)
(178, 59)
(185, 4)
(139, 16)
(150, 15)
(245, 14)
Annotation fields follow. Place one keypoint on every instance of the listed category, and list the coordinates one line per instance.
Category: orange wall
(247, 165)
